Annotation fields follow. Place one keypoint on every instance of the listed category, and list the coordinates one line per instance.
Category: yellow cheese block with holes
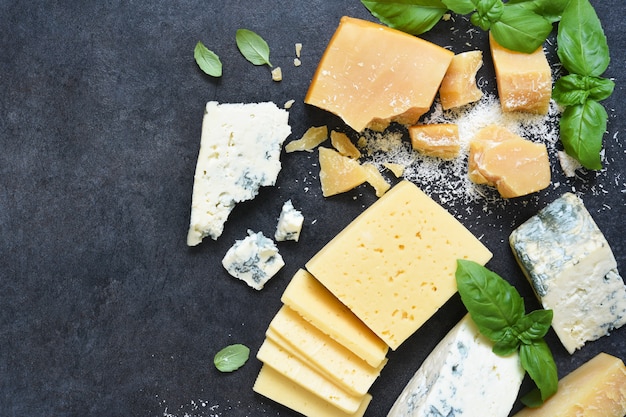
(458, 87)
(313, 302)
(394, 265)
(293, 368)
(371, 75)
(335, 362)
(596, 389)
(524, 80)
(271, 384)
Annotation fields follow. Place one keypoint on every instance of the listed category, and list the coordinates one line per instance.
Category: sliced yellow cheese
(311, 300)
(283, 390)
(524, 80)
(335, 362)
(344, 145)
(458, 87)
(311, 138)
(339, 173)
(438, 139)
(394, 265)
(512, 164)
(293, 368)
(376, 179)
(371, 75)
(595, 389)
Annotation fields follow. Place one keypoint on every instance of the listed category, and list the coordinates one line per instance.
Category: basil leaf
(550, 9)
(532, 399)
(410, 16)
(508, 344)
(253, 47)
(533, 326)
(492, 302)
(600, 88)
(537, 360)
(487, 12)
(573, 89)
(460, 6)
(582, 46)
(582, 127)
(207, 60)
(231, 357)
(520, 29)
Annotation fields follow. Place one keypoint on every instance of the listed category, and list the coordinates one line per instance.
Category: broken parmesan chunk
(339, 173)
(376, 179)
(512, 164)
(311, 138)
(344, 145)
(458, 87)
(439, 139)
(396, 169)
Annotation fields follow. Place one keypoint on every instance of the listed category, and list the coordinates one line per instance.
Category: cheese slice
(458, 87)
(239, 153)
(275, 386)
(311, 138)
(394, 265)
(595, 389)
(339, 173)
(371, 75)
(524, 80)
(437, 139)
(573, 271)
(462, 377)
(335, 362)
(305, 295)
(293, 368)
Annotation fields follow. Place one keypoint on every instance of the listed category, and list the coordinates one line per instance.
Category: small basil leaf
(550, 9)
(492, 302)
(410, 16)
(536, 358)
(533, 326)
(207, 60)
(582, 46)
(489, 10)
(507, 345)
(582, 127)
(573, 89)
(520, 29)
(231, 357)
(253, 47)
(600, 88)
(460, 6)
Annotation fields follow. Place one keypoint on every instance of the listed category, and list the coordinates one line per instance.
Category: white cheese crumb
(569, 165)
(298, 49)
(289, 223)
(297, 62)
(289, 103)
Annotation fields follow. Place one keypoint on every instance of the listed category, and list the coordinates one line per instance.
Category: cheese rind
(239, 152)
(394, 265)
(371, 75)
(572, 269)
(462, 377)
(595, 389)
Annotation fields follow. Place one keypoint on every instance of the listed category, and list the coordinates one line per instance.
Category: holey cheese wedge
(371, 75)
(394, 265)
(573, 271)
(239, 152)
(462, 377)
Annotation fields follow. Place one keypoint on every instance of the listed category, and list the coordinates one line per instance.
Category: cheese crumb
(298, 49)
(297, 62)
(289, 103)
(277, 74)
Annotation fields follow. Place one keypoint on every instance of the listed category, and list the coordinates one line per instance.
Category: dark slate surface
(104, 311)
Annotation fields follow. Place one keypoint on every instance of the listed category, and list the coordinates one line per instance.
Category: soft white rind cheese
(462, 377)
(573, 271)
(289, 223)
(254, 260)
(239, 152)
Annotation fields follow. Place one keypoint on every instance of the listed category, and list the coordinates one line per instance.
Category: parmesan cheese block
(438, 139)
(512, 164)
(524, 80)
(307, 296)
(239, 153)
(394, 265)
(371, 75)
(458, 87)
(273, 385)
(322, 353)
(595, 389)
(339, 173)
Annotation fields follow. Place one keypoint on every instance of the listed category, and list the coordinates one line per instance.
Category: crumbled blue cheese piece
(289, 223)
(573, 271)
(254, 259)
(239, 152)
(462, 377)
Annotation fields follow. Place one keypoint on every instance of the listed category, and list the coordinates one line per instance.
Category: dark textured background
(104, 310)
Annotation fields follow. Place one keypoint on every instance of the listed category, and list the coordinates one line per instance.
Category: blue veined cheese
(462, 377)
(239, 152)
(254, 259)
(573, 271)
(289, 223)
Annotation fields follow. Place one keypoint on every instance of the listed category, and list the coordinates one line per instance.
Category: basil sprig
(231, 358)
(498, 310)
(584, 53)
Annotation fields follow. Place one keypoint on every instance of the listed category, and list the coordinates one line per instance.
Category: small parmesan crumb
(446, 17)
(289, 103)
(298, 49)
(297, 62)
(568, 164)
(277, 74)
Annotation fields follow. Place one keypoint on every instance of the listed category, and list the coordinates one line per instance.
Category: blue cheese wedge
(289, 223)
(239, 152)
(254, 259)
(573, 271)
(462, 377)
